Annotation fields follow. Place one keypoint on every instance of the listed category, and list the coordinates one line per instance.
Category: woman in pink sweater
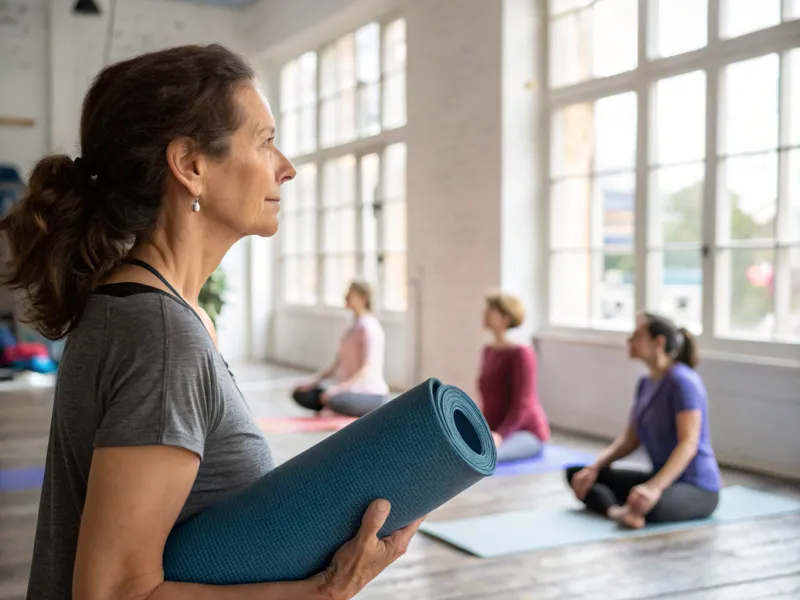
(507, 385)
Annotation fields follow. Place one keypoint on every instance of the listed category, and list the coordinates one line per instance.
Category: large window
(349, 196)
(675, 167)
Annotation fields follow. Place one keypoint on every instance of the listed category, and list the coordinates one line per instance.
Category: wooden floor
(743, 561)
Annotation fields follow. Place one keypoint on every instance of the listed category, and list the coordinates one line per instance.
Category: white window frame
(358, 147)
(713, 58)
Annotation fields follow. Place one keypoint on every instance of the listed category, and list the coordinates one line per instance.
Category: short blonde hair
(363, 289)
(509, 306)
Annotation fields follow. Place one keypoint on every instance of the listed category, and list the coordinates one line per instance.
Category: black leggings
(679, 502)
(351, 404)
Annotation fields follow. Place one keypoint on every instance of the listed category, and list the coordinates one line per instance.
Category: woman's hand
(583, 481)
(498, 439)
(643, 498)
(361, 559)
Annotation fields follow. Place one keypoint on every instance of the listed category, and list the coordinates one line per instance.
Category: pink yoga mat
(303, 424)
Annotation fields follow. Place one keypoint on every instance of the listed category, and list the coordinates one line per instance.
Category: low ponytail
(687, 351)
(61, 245)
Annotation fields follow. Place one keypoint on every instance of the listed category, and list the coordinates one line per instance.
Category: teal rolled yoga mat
(418, 451)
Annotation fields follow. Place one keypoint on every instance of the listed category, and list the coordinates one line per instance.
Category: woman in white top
(357, 385)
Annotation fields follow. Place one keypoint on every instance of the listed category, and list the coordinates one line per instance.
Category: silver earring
(196, 205)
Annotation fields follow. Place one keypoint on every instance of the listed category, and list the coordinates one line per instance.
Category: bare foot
(624, 517)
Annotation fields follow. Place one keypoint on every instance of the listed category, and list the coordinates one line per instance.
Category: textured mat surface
(526, 531)
(303, 424)
(418, 451)
(552, 458)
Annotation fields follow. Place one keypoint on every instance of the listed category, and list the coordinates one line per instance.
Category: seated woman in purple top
(670, 420)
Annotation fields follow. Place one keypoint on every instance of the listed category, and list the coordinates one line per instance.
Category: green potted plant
(212, 294)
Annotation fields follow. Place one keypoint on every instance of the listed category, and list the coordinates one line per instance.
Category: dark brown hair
(363, 289)
(679, 342)
(80, 217)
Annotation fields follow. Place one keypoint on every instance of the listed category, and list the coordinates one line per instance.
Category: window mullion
(713, 311)
(782, 261)
(641, 282)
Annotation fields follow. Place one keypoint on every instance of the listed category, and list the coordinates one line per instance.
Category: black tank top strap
(148, 267)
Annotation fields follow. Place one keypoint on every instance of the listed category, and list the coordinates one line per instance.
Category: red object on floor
(303, 424)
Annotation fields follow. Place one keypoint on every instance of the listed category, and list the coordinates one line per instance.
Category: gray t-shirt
(139, 369)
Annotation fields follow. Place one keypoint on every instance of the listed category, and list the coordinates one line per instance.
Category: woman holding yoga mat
(149, 428)
(507, 384)
(670, 420)
(358, 385)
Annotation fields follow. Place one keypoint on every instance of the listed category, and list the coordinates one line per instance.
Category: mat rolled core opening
(467, 431)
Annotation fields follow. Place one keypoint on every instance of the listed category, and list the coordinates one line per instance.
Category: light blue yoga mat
(418, 451)
(552, 458)
(526, 531)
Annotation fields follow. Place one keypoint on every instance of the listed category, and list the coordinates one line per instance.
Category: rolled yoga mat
(418, 451)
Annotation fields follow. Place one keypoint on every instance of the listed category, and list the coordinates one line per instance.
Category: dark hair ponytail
(687, 350)
(60, 244)
(79, 218)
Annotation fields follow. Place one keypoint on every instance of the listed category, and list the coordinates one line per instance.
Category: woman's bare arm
(626, 443)
(134, 496)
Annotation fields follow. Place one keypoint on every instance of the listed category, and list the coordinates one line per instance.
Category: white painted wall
(474, 196)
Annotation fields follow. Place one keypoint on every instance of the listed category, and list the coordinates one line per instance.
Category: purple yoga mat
(14, 480)
(552, 458)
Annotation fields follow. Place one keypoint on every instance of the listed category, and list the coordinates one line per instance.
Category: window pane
(328, 77)
(681, 26)
(395, 282)
(346, 62)
(598, 41)
(570, 213)
(394, 101)
(792, 10)
(794, 194)
(680, 118)
(793, 112)
(339, 181)
(676, 286)
(569, 288)
(615, 132)
(394, 51)
(306, 185)
(743, 16)
(572, 140)
(616, 34)
(308, 78)
(571, 48)
(614, 298)
(614, 196)
(289, 86)
(394, 184)
(300, 280)
(290, 133)
(749, 185)
(369, 110)
(368, 50)
(394, 227)
(751, 105)
(339, 271)
(308, 233)
(289, 232)
(347, 116)
(746, 288)
(308, 129)
(676, 211)
(339, 233)
(328, 120)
